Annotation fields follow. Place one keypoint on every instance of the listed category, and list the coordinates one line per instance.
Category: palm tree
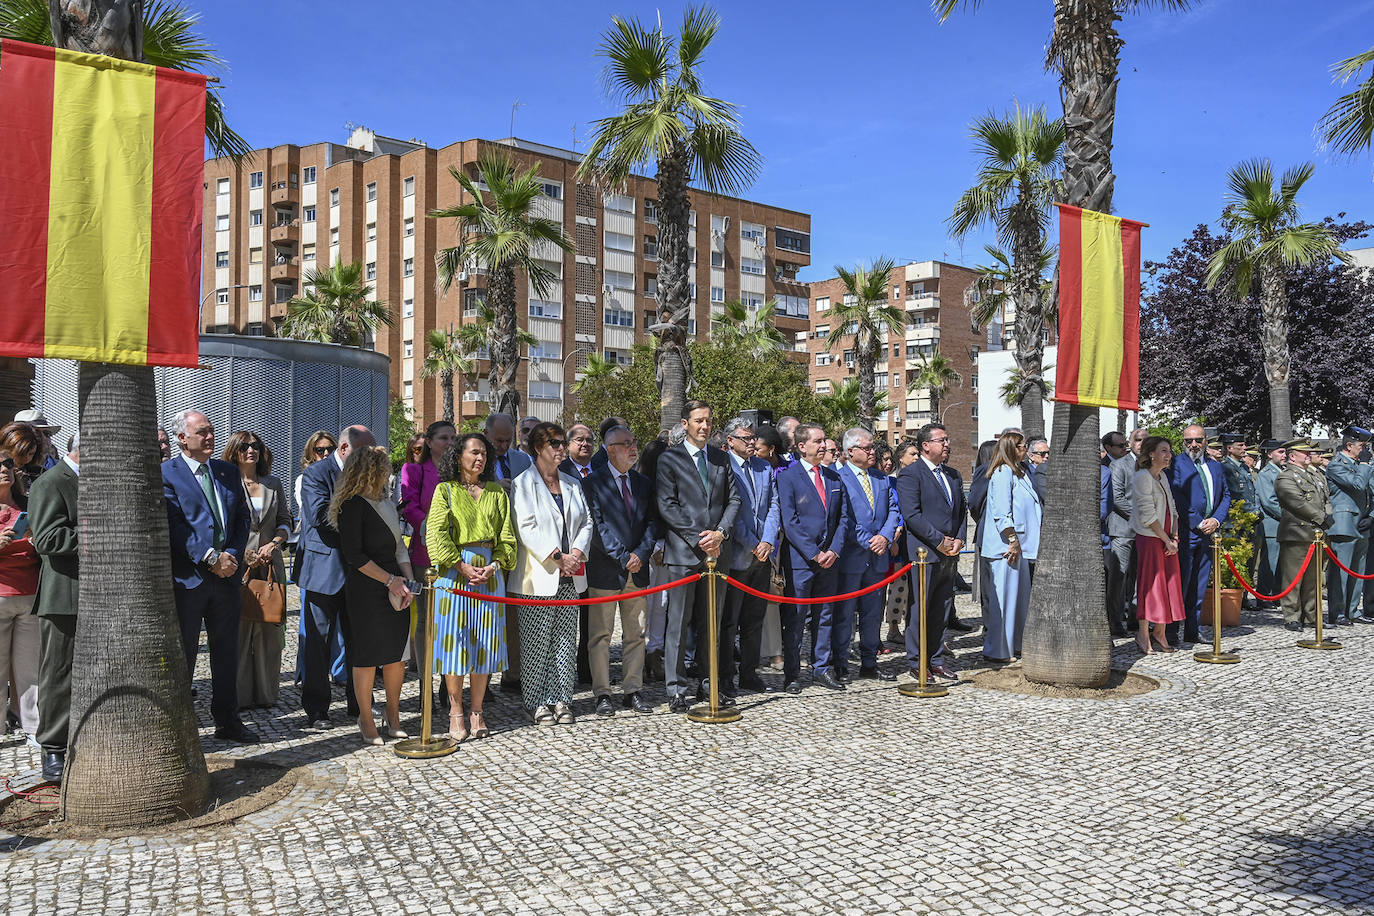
(1017, 183)
(669, 122)
(446, 356)
(863, 314)
(134, 757)
(337, 308)
(842, 406)
(477, 339)
(598, 367)
(1014, 388)
(1267, 240)
(1066, 638)
(498, 228)
(1349, 124)
(989, 295)
(936, 374)
(754, 331)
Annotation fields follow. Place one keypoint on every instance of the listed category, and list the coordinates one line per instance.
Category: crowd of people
(531, 510)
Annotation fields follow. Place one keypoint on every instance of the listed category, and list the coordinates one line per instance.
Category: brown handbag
(262, 600)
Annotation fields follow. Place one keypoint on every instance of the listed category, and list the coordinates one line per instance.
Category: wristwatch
(213, 558)
(557, 554)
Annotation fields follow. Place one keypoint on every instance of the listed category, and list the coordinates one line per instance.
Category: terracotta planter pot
(1230, 607)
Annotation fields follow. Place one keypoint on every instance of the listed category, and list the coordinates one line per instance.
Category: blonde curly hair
(364, 474)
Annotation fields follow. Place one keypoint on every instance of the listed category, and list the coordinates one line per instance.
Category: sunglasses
(251, 447)
(1187, 439)
(1040, 454)
(324, 449)
(8, 464)
(556, 444)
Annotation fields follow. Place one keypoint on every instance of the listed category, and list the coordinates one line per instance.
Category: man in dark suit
(875, 524)
(624, 529)
(599, 457)
(320, 575)
(208, 518)
(1202, 500)
(931, 496)
(756, 535)
(697, 503)
(815, 514)
(53, 528)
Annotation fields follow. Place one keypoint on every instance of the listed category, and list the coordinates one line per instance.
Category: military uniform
(1306, 508)
(1348, 485)
(1268, 541)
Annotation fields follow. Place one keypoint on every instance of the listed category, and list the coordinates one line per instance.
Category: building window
(409, 226)
(717, 294)
(255, 294)
(547, 349)
(717, 258)
(822, 304)
(408, 187)
(650, 211)
(222, 186)
(221, 259)
(408, 349)
(619, 241)
(791, 240)
(308, 214)
(372, 190)
(546, 391)
(222, 222)
(255, 217)
(472, 301)
(751, 266)
(371, 232)
(896, 292)
(334, 236)
(753, 231)
(822, 359)
(553, 189)
(618, 279)
(222, 297)
(407, 308)
(973, 381)
(282, 293)
(620, 203)
(254, 255)
(651, 286)
(408, 390)
(371, 270)
(308, 252)
(543, 308)
(308, 174)
(651, 248)
(821, 332)
(334, 197)
(619, 318)
(408, 267)
(255, 180)
(822, 387)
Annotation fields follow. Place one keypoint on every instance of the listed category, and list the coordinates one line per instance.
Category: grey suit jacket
(1123, 490)
(687, 509)
(263, 526)
(53, 528)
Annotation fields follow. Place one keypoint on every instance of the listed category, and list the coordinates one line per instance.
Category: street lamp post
(200, 312)
(563, 379)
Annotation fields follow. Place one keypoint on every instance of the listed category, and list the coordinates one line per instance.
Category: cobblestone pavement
(1233, 790)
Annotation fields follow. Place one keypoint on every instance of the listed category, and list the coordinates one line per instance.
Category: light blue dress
(1012, 503)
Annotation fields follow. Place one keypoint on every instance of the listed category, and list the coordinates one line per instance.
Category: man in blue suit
(320, 575)
(1202, 499)
(814, 511)
(874, 524)
(624, 529)
(208, 521)
(756, 535)
(930, 495)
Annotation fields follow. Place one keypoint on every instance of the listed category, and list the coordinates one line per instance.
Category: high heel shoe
(1163, 646)
(457, 726)
(373, 739)
(1144, 647)
(396, 732)
(479, 726)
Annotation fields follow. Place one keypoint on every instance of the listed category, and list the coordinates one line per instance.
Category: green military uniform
(1306, 508)
(1267, 504)
(1348, 484)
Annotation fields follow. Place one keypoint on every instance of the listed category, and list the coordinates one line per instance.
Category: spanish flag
(101, 171)
(1098, 364)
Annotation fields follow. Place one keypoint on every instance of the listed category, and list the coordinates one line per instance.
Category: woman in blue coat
(1011, 542)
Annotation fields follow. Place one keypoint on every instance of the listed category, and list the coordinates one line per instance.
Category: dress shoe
(604, 706)
(1335, 622)
(826, 678)
(894, 635)
(321, 722)
(563, 714)
(755, 684)
(793, 687)
(959, 626)
(943, 673)
(722, 698)
(842, 675)
(237, 733)
(993, 660)
(678, 704)
(875, 674)
(1361, 618)
(639, 703)
(1293, 626)
(54, 762)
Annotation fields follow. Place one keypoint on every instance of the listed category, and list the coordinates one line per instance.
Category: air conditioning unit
(462, 276)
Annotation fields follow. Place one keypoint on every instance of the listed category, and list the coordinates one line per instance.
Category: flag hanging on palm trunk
(101, 191)
(1099, 310)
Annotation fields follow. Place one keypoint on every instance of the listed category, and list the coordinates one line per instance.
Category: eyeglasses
(8, 464)
(862, 448)
(1041, 454)
(939, 441)
(625, 443)
(251, 447)
(556, 444)
(324, 449)
(744, 438)
(1194, 439)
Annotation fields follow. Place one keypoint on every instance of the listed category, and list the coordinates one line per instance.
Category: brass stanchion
(1318, 557)
(712, 713)
(427, 745)
(1216, 656)
(922, 688)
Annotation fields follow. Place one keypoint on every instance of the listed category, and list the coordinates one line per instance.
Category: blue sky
(861, 110)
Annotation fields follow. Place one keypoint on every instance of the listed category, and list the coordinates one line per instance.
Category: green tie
(705, 475)
(1206, 483)
(209, 488)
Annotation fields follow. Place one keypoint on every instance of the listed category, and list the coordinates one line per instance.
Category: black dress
(376, 633)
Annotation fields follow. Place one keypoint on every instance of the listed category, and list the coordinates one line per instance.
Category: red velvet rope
(1348, 571)
(545, 602)
(788, 599)
(1246, 585)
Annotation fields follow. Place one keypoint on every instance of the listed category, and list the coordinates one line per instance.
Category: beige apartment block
(289, 209)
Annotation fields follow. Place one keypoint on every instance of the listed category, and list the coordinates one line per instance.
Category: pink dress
(417, 489)
(1158, 583)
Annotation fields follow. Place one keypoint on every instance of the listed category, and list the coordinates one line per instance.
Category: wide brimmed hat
(36, 419)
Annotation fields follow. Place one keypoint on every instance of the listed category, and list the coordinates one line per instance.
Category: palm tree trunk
(446, 382)
(673, 372)
(133, 753)
(1030, 348)
(134, 757)
(505, 397)
(864, 345)
(1274, 341)
(1066, 638)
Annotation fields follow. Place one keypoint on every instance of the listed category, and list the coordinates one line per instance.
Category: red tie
(585, 471)
(625, 495)
(820, 485)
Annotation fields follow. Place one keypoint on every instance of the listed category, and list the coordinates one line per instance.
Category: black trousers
(743, 617)
(323, 617)
(57, 634)
(939, 605)
(217, 605)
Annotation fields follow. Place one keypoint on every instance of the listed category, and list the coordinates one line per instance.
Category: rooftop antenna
(514, 105)
(574, 133)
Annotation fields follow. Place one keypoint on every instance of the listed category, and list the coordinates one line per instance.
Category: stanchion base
(929, 691)
(418, 749)
(1216, 658)
(719, 717)
(1314, 644)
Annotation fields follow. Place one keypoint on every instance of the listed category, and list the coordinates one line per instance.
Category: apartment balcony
(276, 311)
(284, 270)
(926, 333)
(285, 232)
(923, 301)
(285, 194)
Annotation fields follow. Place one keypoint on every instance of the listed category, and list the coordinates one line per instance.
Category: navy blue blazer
(809, 528)
(754, 522)
(319, 565)
(192, 527)
(1190, 498)
(928, 514)
(884, 518)
(617, 535)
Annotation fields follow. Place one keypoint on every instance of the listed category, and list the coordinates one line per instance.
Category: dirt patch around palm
(1121, 685)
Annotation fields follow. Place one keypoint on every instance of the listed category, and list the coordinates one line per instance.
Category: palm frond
(637, 58)
(945, 8)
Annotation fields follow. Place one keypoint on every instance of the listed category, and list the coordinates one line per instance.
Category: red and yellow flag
(1098, 364)
(101, 195)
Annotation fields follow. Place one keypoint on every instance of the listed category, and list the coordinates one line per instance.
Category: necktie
(504, 464)
(944, 484)
(820, 485)
(749, 482)
(585, 471)
(206, 486)
(625, 494)
(868, 487)
(1206, 484)
(701, 469)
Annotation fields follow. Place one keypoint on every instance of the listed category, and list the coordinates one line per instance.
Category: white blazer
(539, 528)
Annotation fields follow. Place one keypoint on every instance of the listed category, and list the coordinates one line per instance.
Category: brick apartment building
(289, 209)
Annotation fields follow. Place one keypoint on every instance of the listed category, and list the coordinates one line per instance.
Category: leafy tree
(989, 296)
(498, 228)
(1066, 637)
(670, 123)
(598, 367)
(1349, 124)
(1018, 181)
(1201, 350)
(841, 408)
(446, 356)
(1265, 238)
(936, 374)
(401, 427)
(755, 331)
(1014, 388)
(337, 308)
(863, 314)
